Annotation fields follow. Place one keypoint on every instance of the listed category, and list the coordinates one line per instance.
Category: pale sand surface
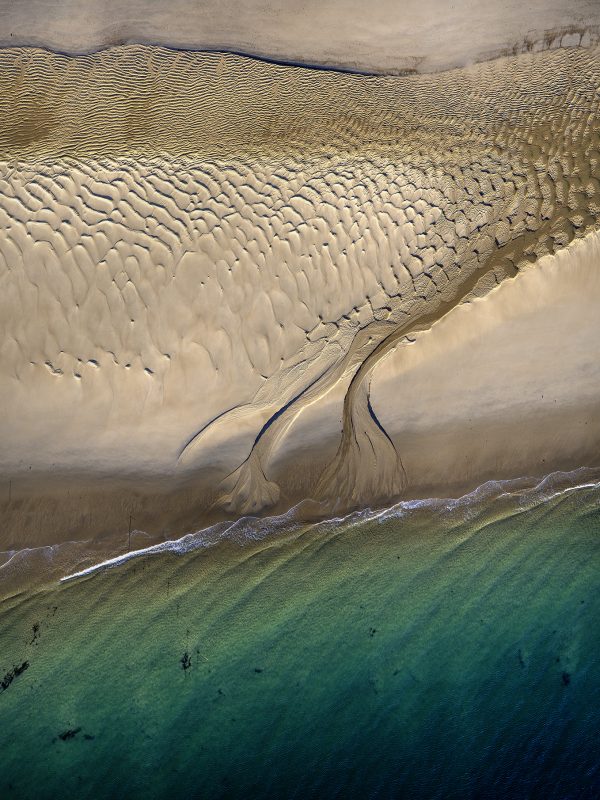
(208, 264)
(379, 36)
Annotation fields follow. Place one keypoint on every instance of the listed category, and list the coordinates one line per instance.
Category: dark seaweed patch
(12, 674)
(185, 661)
(71, 733)
(35, 631)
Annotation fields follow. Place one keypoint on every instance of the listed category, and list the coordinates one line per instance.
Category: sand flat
(199, 251)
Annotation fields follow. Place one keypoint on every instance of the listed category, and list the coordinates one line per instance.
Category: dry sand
(211, 267)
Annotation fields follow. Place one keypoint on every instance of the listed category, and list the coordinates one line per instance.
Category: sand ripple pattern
(275, 229)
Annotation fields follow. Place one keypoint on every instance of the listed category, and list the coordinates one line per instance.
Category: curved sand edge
(378, 37)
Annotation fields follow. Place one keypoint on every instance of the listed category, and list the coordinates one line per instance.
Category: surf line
(197, 539)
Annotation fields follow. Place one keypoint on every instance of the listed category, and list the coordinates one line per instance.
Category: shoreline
(47, 508)
(533, 488)
(35, 569)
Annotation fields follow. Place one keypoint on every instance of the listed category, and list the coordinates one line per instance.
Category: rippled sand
(213, 267)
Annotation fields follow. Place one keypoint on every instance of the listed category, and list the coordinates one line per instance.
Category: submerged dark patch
(12, 674)
(185, 661)
(71, 733)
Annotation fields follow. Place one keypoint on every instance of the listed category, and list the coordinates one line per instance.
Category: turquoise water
(433, 650)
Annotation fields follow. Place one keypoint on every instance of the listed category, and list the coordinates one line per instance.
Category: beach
(319, 289)
(300, 390)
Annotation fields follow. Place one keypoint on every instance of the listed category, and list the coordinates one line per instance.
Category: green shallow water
(435, 653)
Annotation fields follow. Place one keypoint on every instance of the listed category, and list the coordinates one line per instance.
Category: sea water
(435, 649)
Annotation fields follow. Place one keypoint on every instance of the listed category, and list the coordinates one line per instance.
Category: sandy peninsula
(228, 285)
